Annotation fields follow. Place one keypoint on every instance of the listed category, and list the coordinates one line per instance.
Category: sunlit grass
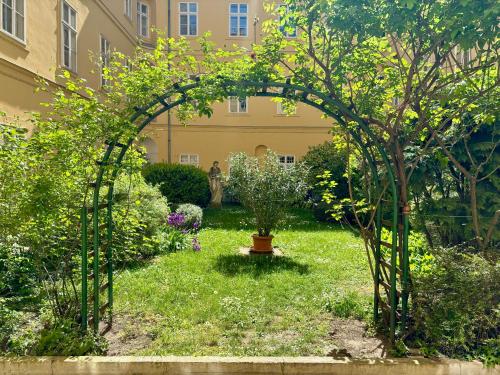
(218, 302)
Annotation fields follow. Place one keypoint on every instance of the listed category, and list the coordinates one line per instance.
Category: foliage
(456, 304)
(17, 272)
(266, 188)
(180, 230)
(442, 195)
(193, 215)
(65, 339)
(179, 183)
(348, 305)
(330, 158)
(421, 258)
(173, 240)
(140, 213)
(402, 70)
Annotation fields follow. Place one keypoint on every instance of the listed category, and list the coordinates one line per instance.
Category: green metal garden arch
(391, 289)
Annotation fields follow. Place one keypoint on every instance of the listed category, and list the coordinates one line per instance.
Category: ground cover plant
(218, 302)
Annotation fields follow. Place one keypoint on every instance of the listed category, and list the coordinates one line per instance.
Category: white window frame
(105, 57)
(463, 57)
(127, 8)
(72, 30)
(14, 13)
(281, 112)
(140, 16)
(190, 157)
(286, 164)
(238, 106)
(188, 13)
(283, 31)
(238, 16)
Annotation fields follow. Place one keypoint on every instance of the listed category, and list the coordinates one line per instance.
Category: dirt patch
(348, 338)
(352, 339)
(127, 336)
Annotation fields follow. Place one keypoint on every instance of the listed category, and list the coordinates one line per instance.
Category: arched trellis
(98, 236)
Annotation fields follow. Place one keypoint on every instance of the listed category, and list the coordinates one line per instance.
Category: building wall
(224, 133)
(211, 139)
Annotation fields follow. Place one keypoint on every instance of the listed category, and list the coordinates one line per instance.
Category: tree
(401, 67)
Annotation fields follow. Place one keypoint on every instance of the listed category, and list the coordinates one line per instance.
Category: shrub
(321, 158)
(193, 215)
(457, 306)
(179, 183)
(266, 188)
(140, 212)
(65, 338)
(17, 272)
(172, 240)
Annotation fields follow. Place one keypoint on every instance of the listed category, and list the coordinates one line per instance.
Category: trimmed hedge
(179, 183)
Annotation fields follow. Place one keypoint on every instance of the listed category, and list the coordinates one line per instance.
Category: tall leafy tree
(413, 71)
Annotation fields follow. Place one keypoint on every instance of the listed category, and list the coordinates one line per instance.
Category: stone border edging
(172, 365)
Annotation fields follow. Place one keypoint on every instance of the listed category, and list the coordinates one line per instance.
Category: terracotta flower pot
(262, 244)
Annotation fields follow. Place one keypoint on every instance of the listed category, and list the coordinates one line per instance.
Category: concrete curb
(232, 365)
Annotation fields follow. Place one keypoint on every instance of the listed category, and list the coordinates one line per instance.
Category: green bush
(457, 306)
(172, 240)
(139, 214)
(321, 158)
(179, 183)
(266, 188)
(17, 272)
(65, 339)
(193, 215)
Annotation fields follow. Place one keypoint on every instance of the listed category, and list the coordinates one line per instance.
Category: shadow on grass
(233, 265)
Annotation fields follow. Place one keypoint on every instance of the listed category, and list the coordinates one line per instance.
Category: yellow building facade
(37, 37)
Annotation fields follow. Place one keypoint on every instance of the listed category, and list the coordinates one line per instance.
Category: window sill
(73, 72)
(14, 40)
(232, 114)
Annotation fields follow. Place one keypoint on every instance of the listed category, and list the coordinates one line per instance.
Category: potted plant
(265, 187)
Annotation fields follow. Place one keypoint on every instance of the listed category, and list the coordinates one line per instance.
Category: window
(188, 19)
(238, 19)
(128, 65)
(290, 31)
(463, 57)
(238, 105)
(280, 110)
(13, 18)
(190, 159)
(68, 37)
(105, 57)
(127, 9)
(142, 19)
(287, 161)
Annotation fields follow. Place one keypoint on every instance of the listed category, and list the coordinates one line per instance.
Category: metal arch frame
(300, 93)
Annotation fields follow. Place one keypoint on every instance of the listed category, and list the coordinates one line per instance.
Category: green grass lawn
(218, 302)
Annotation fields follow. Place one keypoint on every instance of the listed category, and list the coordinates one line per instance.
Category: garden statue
(215, 179)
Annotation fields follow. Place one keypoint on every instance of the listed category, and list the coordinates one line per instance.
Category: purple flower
(196, 244)
(196, 225)
(175, 219)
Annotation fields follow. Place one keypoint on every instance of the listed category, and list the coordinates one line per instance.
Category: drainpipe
(255, 22)
(169, 115)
